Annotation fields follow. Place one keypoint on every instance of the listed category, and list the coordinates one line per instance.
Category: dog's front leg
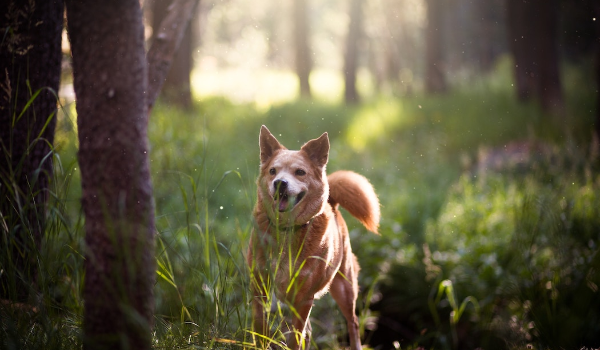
(259, 320)
(298, 338)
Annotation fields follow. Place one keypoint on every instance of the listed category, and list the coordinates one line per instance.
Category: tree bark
(167, 40)
(30, 62)
(521, 42)
(110, 80)
(533, 37)
(301, 46)
(435, 79)
(351, 55)
(597, 25)
(177, 88)
(484, 22)
(549, 87)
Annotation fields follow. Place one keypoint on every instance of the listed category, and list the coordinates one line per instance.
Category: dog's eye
(272, 171)
(300, 172)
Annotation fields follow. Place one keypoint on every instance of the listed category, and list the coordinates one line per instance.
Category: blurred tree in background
(301, 45)
(533, 34)
(435, 76)
(406, 45)
(353, 41)
(597, 67)
(176, 89)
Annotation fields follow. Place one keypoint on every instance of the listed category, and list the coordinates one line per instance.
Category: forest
(129, 157)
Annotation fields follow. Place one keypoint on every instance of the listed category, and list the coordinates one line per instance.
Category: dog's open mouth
(287, 202)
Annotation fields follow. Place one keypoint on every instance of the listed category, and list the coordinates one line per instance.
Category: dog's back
(354, 193)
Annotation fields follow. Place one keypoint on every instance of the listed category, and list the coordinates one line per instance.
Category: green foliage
(49, 314)
(517, 242)
(513, 225)
(446, 287)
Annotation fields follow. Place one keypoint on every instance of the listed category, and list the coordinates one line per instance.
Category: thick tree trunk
(435, 79)
(177, 88)
(30, 62)
(112, 119)
(301, 46)
(351, 55)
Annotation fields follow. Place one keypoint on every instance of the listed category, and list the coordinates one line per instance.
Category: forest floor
(490, 217)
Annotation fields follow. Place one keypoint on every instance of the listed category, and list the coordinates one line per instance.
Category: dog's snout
(280, 185)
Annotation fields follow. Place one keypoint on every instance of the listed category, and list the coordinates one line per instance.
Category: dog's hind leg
(307, 334)
(344, 290)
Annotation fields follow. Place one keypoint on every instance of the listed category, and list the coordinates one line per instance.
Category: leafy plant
(445, 287)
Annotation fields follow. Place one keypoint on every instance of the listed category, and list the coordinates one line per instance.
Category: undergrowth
(519, 237)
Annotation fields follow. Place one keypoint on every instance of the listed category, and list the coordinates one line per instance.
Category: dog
(300, 242)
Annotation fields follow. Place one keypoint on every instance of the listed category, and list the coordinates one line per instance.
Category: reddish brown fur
(354, 192)
(305, 249)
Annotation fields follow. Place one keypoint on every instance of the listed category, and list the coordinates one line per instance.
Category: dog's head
(292, 184)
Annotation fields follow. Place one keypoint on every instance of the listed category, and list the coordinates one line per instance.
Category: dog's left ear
(268, 144)
(318, 150)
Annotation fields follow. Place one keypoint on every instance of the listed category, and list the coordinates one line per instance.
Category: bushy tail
(354, 192)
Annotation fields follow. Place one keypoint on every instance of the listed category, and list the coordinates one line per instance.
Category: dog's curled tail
(354, 192)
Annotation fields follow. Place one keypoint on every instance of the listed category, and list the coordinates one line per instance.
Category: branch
(165, 45)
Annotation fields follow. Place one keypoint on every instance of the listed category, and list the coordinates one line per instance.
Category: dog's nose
(280, 186)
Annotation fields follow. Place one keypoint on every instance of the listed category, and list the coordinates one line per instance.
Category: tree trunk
(301, 46)
(351, 55)
(112, 122)
(177, 88)
(521, 43)
(167, 40)
(483, 13)
(435, 80)
(597, 25)
(533, 37)
(549, 88)
(30, 62)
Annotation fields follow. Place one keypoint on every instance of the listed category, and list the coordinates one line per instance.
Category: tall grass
(41, 304)
(522, 240)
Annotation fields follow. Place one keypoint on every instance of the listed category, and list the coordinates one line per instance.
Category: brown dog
(301, 243)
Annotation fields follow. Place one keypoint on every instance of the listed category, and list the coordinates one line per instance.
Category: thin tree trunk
(177, 88)
(435, 79)
(485, 40)
(167, 39)
(521, 43)
(549, 87)
(112, 117)
(30, 62)
(597, 25)
(302, 46)
(351, 55)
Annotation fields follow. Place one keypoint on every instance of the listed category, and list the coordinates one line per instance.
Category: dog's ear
(318, 150)
(268, 144)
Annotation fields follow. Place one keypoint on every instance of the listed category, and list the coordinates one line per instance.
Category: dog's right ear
(268, 144)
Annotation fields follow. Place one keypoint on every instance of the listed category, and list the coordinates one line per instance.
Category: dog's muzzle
(283, 197)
